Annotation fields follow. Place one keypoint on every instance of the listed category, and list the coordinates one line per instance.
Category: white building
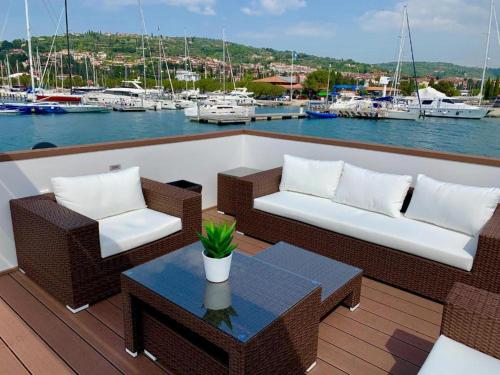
(184, 75)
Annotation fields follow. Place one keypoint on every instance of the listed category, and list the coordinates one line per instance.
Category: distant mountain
(441, 69)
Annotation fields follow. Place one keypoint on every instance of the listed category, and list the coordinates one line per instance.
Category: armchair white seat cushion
(372, 191)
(101, 195)
(411, 236)
(449, 357)
(313, 177)
(135, 228)
(458, 207)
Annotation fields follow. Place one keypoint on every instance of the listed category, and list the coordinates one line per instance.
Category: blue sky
(443, 30)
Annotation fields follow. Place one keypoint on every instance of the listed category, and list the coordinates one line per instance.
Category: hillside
(440, 69)
(128, 48)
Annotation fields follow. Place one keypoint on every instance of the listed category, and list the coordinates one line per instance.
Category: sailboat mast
(143, 46)
(291, 78)
(30, 53)
(413, 62)
(486, 53)
(185, 58)
(397, 73)
(70, 65)
(224, 61)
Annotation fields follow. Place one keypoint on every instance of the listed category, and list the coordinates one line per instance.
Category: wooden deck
(391, 332)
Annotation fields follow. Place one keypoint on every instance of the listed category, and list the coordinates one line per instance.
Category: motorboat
(436, 104)
(321, 115)
(130, 94)
(219, 111)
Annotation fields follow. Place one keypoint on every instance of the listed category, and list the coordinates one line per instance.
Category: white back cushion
(462, 208)
(372, 191)
(313, 177)
(101, 195)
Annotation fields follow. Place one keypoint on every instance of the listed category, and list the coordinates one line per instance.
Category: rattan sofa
(60, 249)
(429, 278)
(471, 317)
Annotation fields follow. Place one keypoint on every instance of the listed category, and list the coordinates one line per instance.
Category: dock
(129, 109)
(225, 120)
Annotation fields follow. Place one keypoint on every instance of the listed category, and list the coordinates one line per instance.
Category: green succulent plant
(218, 241)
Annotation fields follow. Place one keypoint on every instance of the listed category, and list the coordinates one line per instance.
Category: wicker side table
(226, 196)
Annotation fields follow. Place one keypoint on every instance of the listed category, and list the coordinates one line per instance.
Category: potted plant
(218, 250)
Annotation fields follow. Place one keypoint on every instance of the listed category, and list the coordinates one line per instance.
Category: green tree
(445, 87)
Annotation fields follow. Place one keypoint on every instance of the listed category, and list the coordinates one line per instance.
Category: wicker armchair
(60, 249)
(419, 275)
(470, 334)
(471, 316)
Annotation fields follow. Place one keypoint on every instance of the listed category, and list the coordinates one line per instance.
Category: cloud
(204, 7)
(274, 7)
(431, 15)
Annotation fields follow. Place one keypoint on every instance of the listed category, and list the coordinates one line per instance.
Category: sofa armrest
(472, 316)
(47, 210)
(256, 185)
(181, 203)
(487, 259)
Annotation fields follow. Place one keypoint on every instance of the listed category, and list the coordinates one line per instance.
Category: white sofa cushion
(459, 207)
(101, 195)
(313, 177)
(449, 357)
(372, 191)
(411, 236)
(135, 228)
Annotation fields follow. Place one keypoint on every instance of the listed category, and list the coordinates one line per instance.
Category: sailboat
(396, 109)
(220, 108)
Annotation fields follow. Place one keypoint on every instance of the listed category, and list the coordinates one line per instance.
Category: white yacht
(350, 101)
(437, 104)
(130, 94)
(219, 111)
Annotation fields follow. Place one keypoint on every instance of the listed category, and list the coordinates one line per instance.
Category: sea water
(476, 137)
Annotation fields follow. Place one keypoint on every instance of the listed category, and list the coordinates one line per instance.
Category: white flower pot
(217, 270)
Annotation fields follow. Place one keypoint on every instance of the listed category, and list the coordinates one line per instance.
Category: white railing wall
(200, 161)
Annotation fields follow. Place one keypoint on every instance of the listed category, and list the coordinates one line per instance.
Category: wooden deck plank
(109, 315)
(370, 353)
(413, 298)
(379, 339)
(345, 361)
(402, 305)
(116, 301)
(79, 355)
(94, 332)
(389, 327)
(36, 356)
(397, 316)
(323, 368)
(9, 364)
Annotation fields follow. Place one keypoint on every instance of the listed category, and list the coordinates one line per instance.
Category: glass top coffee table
(264, 319)
(340, 282)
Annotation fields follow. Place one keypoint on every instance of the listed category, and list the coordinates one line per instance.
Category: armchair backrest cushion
(313, 177)
(461, 208)
(372, 191)
(101, 195)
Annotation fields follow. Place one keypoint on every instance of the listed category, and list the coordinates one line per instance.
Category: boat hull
(321, 115)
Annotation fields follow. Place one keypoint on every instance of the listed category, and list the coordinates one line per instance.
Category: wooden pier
(225, 120)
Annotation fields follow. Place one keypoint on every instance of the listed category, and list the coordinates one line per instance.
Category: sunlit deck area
(391, 332)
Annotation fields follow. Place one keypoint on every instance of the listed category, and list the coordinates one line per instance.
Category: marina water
(476, 137)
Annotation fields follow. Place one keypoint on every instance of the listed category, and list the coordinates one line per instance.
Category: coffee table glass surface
(255, 295)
